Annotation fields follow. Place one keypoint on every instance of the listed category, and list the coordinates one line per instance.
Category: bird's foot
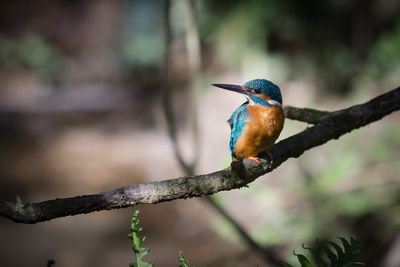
(256, 159)
(270, 159)
(265, 160)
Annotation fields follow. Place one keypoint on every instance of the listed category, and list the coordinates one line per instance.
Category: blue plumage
(237, 121)
(257, 123)
(267, 88)
(239, 117)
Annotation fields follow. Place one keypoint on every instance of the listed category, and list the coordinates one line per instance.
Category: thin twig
(267, 254)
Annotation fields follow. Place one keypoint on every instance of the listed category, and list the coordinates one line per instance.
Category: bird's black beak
(232, 87)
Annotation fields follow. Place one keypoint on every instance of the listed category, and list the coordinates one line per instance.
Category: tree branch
(311, 116)
(240, 174)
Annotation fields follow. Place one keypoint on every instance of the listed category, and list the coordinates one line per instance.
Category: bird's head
(260, 91)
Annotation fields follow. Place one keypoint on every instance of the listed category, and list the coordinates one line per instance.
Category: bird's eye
(257, 91)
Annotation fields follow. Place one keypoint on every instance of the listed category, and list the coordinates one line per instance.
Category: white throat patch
(274, 103)
(271, 102)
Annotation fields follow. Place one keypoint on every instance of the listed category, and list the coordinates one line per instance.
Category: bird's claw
(259, 162)
(256, 159)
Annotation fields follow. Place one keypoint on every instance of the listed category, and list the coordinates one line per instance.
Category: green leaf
(137, 241)
(183, 262)
(316, 257)
(351, 250)
(346, 244)
(339, 250)
(331, 255)
(303, 260)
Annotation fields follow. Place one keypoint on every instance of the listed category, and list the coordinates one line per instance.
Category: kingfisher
(257, 123)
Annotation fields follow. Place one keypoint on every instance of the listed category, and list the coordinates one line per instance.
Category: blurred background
(82, 110)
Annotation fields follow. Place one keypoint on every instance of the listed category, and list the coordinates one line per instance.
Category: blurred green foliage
(32, 51)
(384, 57)
(335, 43)
(142, 41)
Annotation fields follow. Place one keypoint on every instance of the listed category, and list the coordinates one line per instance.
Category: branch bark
(311, 116)
(240, 174)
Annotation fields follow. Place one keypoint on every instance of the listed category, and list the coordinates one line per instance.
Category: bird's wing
(237, 121)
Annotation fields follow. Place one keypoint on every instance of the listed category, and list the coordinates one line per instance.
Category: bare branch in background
(194, 61)
(192, 39)
(189, 168)
(167, 92)
(240, 174)
(266, 253)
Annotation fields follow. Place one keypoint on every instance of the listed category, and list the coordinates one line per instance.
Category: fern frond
(331, 254)
(137, 241)
(183, 262)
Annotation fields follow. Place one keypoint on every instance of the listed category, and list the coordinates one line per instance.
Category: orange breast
(261, 131)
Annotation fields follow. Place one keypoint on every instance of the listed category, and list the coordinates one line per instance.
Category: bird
(258, 122)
